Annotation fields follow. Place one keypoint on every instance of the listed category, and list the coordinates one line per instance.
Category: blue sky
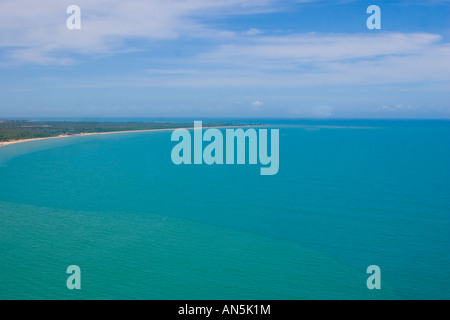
(225, 58)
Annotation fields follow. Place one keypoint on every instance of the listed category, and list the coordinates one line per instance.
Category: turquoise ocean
(348, 194)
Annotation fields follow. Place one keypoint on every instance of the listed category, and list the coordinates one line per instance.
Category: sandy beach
(3, 144)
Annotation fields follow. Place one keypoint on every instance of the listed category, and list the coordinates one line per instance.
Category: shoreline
(7, 143)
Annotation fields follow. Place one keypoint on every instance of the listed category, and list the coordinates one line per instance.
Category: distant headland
(15, 131)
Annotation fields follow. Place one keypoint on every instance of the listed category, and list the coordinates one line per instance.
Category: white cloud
(256, 105)
(252, 32)
(321, 60)
(312, 47)
(38, 28)
(38, 34)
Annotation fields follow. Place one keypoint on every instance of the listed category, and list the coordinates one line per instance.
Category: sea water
(348, 194)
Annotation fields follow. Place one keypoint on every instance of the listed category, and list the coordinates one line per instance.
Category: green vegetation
(11, 130)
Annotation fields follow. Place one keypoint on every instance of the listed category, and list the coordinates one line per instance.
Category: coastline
(4, 144)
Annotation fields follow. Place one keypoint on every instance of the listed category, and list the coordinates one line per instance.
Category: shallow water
(348, 194)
